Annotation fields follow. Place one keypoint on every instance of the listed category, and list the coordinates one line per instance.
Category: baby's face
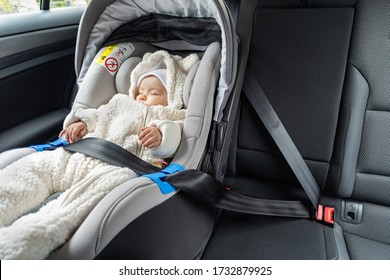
(152, 92)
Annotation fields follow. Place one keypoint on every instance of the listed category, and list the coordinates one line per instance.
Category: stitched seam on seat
(111, 210)
(361, 236)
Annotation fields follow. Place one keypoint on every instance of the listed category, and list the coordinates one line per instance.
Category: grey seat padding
(370, 177)
(370, 54)
(245, 237)
(302, 74)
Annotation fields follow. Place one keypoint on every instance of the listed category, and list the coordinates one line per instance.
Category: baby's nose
(141, 97)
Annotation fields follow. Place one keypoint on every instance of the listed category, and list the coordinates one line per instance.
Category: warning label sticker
(111, 64)
(114, 55)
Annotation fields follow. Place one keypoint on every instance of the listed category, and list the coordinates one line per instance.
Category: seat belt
(111, 153)
(194, 182)
(279, 134)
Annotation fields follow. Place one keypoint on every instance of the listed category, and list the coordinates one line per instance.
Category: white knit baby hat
(161, 74)
(177, 70)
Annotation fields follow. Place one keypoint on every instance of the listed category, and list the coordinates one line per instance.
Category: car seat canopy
(107, 21)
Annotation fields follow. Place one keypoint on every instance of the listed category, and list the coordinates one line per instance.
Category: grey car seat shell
(132, 199)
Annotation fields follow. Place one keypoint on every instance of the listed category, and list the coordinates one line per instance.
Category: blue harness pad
(60, 142)
(159, 177)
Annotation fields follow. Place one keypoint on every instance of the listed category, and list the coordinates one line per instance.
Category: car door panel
(37, 77)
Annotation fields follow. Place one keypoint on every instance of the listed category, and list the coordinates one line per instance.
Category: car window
(67, 3)
(22, 6)
(18, 6)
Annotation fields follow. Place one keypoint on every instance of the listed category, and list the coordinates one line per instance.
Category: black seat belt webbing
(111, 153)
(281, 137)
(193, 182)
(237, 202)
(209, 189)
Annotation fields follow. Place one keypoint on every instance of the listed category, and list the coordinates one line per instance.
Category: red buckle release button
(329, 215)
(320, 212)
(325, 215)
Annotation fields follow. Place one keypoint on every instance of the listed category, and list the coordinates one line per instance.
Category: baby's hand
(74, 131)
(150, 137)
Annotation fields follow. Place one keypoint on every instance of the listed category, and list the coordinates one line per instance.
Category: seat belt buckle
(325, 215)
(159, 177)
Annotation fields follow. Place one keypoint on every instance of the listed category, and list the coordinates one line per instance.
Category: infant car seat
(135, 220)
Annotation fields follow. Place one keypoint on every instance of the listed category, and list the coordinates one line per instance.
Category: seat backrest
(299, 57)
(371, 56)
(361, 174)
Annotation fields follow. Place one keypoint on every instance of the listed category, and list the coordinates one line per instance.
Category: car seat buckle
(325, 214)
(159, 177)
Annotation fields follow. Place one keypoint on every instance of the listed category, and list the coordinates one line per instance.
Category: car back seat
(299, 55)
(361, 177)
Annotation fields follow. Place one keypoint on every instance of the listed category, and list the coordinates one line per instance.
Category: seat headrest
(122, 80)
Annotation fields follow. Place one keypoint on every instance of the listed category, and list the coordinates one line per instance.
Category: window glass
(67, 3)
(21, 6)
(18, 6)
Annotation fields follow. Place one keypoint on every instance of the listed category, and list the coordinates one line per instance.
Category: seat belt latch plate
(325, 214)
